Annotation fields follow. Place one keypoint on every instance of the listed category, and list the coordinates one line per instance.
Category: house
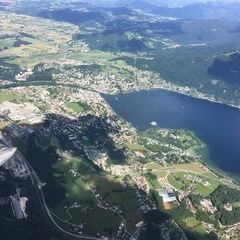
(207, 205)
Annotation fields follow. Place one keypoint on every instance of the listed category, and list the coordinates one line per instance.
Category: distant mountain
(109, 3)
(71, 16)
(117, 10)
(209, 10)
(182, 3)
(143, 5)
(198, 9)
(118, 3)
(165, 3)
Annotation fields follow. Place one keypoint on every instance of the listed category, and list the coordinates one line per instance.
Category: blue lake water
(217, 125)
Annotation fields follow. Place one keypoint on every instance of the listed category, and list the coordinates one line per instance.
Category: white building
(19, 205)
(208, 206)
(168, 197)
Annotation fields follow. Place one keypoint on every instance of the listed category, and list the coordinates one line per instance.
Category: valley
(126, 118)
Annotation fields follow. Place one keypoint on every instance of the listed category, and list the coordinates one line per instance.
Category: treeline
(41, 74)
(8, 71)
(223, 194)
(230, 217)
(219, 197)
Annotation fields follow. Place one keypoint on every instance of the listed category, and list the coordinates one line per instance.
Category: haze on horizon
(170, 3)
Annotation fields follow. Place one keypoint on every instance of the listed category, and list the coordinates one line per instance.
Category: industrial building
(168, 197)
(19, 205)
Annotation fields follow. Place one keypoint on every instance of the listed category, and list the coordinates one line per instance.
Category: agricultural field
(44, 38)
(127, 201)
(81, 183)
(10, 97)
(190, 167)
(201, 184)
(78, 107)
(192, 222)
(152, 180)
(187, 177)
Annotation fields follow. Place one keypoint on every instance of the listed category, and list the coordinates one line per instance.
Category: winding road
(42, 201)
(37, 185)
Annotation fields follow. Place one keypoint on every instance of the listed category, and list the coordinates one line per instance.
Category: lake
(217, 125)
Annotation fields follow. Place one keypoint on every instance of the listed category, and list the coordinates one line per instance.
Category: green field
(199, 229)
(153, 182)
(236, 205)
(180, 182)
(127, 202)
(79, 190)
(192, 222)
(174, 183)
(96, 219)
(207, 190)
(5, 96)
(153, 166)
(78, 107)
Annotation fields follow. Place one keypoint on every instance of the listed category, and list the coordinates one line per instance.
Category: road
(37, 186)
(42, 201)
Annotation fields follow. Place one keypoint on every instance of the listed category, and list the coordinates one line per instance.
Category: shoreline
(202, 97)
(205, 159)
(165, 86)
(210, 164)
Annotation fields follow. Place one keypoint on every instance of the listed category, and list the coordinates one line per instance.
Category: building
(228, 207)
(208, 206)
(139, 224)
(120, 170)
(6, 154)
(168, 196)
(166, 206)
(17, 167)
(19, 205)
